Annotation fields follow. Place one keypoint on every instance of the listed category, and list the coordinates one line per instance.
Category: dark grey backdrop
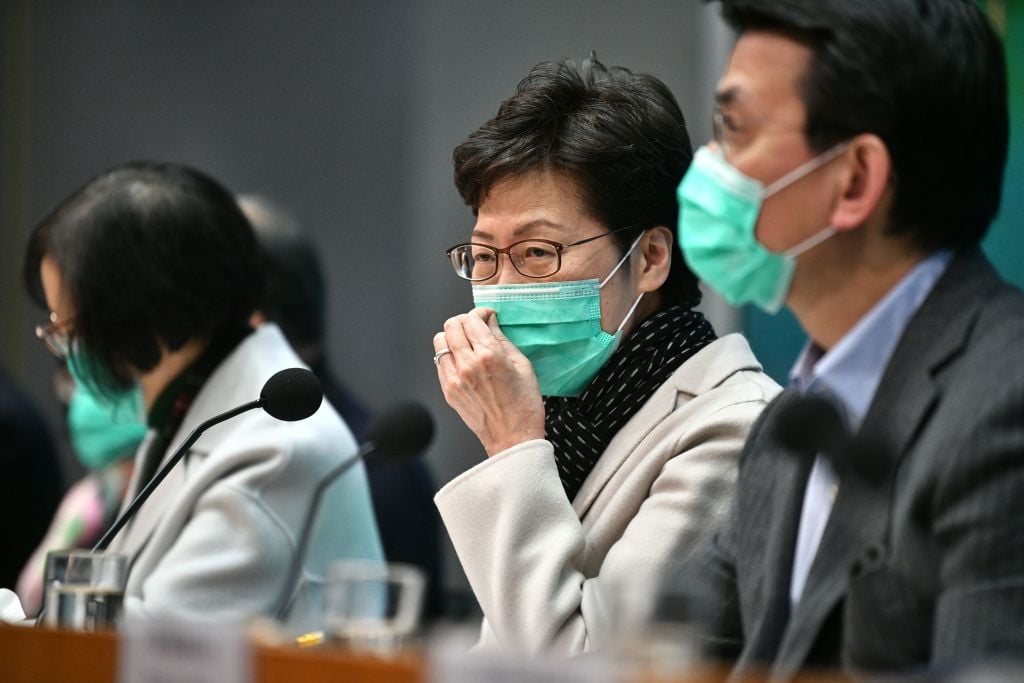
(344, 112)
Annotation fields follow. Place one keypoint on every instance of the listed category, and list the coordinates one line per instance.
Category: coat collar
(935, 337)
(702, 372)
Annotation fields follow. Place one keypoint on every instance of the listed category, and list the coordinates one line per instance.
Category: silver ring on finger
(440, 354)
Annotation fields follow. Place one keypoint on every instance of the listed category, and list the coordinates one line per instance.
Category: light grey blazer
(547, 572)
(215, 540)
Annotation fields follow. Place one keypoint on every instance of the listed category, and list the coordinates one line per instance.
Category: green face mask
(718, 210)
(106, 426)
(557, 326)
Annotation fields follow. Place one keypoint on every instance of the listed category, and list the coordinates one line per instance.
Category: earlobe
(864, 182)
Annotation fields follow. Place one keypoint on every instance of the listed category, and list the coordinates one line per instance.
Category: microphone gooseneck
(400, 432)
(289, 395)
(292, 394)
(162, 473)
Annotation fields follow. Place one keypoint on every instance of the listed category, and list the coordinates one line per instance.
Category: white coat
(216, 538)
(548, 572)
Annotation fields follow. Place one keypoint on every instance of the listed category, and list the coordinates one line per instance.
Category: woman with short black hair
(150, 275)
(611, 414)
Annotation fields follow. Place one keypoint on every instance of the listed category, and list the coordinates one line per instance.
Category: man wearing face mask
(857, 164)
(611, 414)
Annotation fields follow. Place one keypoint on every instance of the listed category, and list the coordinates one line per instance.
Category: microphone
(812, 423)
(290, 395)
(400, 432)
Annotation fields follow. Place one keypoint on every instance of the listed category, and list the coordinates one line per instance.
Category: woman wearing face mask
(104, 435)
(150, 274)
(611, 414)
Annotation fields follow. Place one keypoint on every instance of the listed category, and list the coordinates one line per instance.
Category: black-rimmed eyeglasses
(535, 258)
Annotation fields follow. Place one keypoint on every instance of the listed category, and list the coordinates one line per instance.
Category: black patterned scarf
(581, 427)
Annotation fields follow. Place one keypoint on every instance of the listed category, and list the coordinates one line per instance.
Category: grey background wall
(345, 112)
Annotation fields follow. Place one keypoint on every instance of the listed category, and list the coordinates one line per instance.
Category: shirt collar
(852, 369)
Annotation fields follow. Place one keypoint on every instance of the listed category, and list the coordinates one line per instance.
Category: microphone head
(810, 423)
(292, 394)
(402, 431)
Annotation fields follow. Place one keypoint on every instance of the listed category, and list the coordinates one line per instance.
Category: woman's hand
(488, 382)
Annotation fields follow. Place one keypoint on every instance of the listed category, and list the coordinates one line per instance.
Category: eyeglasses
(532, 258)
(54, 336)
(724, 128)
(719, 125)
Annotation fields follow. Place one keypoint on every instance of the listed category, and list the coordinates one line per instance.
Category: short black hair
(294, 293)
(928, 77)
(619, 136)
(149, 254)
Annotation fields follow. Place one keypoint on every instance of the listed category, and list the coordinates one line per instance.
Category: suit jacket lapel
(906, 394)
(790, 471)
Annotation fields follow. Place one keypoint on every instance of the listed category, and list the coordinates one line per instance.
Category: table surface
(42, 655)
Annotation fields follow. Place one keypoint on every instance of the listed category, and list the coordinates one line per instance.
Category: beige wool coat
(547, 571)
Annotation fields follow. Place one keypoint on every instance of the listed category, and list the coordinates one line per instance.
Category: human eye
(481, 254)
(537, 250)
(725, 126)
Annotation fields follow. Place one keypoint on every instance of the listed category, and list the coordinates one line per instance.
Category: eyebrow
(522, 229)
(724, 98)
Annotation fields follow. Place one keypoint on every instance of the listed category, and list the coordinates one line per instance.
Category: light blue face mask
(557, 326)
(718, 210)
(104, 426)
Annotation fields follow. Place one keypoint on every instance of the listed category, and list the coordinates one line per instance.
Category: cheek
(615, 301)
(777, 224)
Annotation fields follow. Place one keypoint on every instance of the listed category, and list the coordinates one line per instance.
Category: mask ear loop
(618, 265)
(809, 243)
(803, 169)
(629, 314)
(621, 261)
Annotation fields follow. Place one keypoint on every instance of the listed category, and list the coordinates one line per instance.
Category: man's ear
(864, 182)
(655, 260)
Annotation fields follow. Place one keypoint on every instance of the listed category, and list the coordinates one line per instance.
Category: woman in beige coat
(611, 414)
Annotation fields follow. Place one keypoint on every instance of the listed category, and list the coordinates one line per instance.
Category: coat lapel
(702, 372)
(788, 473)
(657, 408)
(857, 526)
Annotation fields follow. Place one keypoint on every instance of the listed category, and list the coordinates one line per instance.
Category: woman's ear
(655, 259)
(864, 182)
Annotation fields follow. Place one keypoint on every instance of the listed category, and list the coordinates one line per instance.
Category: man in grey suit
(857, 164)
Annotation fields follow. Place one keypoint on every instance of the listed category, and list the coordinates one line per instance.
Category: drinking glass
(84, 589)
(372, 606)
(655, 630)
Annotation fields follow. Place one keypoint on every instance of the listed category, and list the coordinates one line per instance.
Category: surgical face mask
(557, 326)
(104, 426)
(718, 210)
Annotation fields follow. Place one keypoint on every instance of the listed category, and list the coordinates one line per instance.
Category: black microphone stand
(284, 599)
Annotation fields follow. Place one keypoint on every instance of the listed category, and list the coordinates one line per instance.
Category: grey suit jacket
(923, 568)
